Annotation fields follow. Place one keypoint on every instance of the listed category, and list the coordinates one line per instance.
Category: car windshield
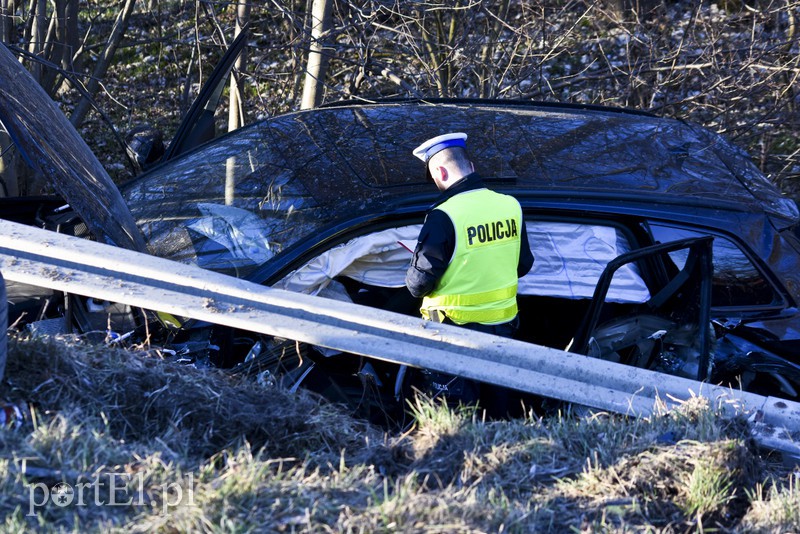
(231, 207)
(236, 202)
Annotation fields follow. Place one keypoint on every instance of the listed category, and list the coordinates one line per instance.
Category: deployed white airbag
(569, 259)
(376, 259)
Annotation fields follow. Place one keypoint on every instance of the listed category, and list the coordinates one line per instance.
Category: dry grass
(192, 413)
(198, 451)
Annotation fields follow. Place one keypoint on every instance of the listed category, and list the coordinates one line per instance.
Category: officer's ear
(440, 178)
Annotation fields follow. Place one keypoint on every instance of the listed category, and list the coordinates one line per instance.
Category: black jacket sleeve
(435, 246)
(525, 255)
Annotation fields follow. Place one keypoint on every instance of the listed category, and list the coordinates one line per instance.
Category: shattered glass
(305, 171)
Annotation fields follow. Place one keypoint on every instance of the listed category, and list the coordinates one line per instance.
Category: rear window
(737, 281)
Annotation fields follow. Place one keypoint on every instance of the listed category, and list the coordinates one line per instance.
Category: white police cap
(430, 147)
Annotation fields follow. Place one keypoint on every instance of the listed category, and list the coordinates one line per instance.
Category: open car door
(52, 147)
(671, 332)
(198, 126)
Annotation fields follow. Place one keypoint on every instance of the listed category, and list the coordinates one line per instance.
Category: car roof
(550, 149)
(353, 160)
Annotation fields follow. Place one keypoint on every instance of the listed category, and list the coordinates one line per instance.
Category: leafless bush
(728, 65)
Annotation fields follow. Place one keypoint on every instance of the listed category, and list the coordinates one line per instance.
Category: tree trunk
(52, 46)
(317, 61)
(38, 34)
(100, 69)
(236, 111)
(7, 21)
(71, 41)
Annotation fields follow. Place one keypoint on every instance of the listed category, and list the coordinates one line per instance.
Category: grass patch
(182, 449)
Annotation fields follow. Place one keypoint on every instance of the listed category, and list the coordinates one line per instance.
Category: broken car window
(229, 213)
(737, 281)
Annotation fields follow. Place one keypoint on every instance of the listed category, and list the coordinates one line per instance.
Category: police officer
(471, 251)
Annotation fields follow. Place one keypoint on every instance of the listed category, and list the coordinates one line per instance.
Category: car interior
(590, 291)
(555, 299)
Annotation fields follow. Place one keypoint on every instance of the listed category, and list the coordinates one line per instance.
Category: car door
(671, 331)
(198, 125)
(52, 147)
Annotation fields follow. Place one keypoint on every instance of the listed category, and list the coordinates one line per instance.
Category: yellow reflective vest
(480, 283)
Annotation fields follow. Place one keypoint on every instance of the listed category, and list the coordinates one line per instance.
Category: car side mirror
(145, 147)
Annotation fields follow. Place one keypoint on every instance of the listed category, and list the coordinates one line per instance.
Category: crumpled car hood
(51, 146)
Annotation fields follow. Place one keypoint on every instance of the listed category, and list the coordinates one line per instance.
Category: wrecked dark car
(657, 243)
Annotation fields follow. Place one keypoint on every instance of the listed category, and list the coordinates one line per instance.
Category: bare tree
(236, 110)
(6, 20)
(71, 51)
(35, 35)
(103, 63)
(317, 60)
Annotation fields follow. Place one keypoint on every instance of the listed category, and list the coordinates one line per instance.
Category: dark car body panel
(359, 155)
(348, 163)
(51, 146)
(198, 124)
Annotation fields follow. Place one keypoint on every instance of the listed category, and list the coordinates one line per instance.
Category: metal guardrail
(47, 259)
